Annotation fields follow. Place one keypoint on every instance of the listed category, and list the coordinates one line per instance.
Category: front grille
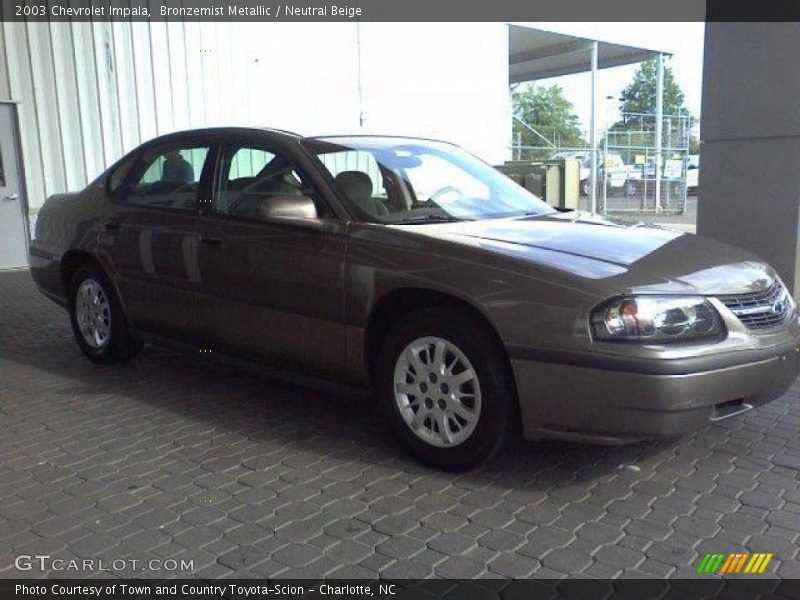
(762, 310)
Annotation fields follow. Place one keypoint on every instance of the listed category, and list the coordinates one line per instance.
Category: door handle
(211, 241)
(11, 197)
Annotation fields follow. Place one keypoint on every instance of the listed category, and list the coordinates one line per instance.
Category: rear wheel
(97, 320)
(446, 387)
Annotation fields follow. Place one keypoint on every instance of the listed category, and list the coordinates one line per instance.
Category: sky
(683, 40)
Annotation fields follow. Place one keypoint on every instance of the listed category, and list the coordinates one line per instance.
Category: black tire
(498, 416)
(118, 345)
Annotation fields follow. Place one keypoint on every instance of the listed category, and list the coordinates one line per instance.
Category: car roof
(282, 137)
(283, 133)
(287, 135)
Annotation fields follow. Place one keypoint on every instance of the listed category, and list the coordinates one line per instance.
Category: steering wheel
(448, 189)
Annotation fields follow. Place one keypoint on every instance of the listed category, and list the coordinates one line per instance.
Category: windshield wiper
(536, 213)
(429, 219)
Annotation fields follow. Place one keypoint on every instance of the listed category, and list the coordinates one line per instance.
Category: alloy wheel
(93, 313)
(437, 391)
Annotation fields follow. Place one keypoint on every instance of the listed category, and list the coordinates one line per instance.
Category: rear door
(152, 239)
(270, 288)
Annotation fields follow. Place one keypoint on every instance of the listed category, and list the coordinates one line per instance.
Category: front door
(13, 220)
(271, 288)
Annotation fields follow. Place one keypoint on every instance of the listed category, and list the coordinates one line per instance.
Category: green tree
(640, 95)
(545, 109)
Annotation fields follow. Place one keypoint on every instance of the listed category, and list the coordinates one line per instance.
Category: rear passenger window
(170, 177)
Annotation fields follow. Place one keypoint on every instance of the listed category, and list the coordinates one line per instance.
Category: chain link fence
(629, 157)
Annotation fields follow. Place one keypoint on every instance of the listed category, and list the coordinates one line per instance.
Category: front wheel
(446, 387)
(97, 320)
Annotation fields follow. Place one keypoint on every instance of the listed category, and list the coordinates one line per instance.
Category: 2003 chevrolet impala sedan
(408, 266)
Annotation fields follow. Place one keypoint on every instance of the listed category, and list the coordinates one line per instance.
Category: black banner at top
(399, 10)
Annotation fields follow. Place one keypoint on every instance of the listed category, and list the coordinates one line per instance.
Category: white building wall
(446, 81)
(89, 92)
(5, 93)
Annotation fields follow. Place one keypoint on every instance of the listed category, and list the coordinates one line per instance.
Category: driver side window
(253, 181)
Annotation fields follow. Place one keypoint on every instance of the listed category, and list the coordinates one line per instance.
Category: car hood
(618, 256)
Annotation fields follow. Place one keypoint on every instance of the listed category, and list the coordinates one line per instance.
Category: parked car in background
(578, 155)
(610, 168)
(672, 172)
(469, 307)
(693, 174)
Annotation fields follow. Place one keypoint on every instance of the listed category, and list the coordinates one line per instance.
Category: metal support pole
(659, 128)
(360, 89)
(592, 130)
(608, 99)
(605, 171)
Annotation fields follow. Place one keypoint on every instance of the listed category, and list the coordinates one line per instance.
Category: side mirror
(288, 206)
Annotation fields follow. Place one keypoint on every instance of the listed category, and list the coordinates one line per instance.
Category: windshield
(394, 180)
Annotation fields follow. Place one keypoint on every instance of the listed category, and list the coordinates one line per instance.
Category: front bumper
(607, 405)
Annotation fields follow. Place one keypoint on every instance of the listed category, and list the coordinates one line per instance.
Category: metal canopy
(537, 54)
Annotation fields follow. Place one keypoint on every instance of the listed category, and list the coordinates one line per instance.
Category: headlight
(656, 320)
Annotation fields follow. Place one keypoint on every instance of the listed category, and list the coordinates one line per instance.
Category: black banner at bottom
(529, 589)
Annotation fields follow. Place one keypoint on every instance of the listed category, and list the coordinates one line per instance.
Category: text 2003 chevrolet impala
(467, 304)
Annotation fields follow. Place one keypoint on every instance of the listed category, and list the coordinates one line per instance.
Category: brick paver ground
(174, 456)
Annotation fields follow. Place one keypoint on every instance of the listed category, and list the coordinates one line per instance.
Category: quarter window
(170, 177)
(117, 177)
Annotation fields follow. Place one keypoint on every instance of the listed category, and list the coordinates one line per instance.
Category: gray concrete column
(750, 155)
